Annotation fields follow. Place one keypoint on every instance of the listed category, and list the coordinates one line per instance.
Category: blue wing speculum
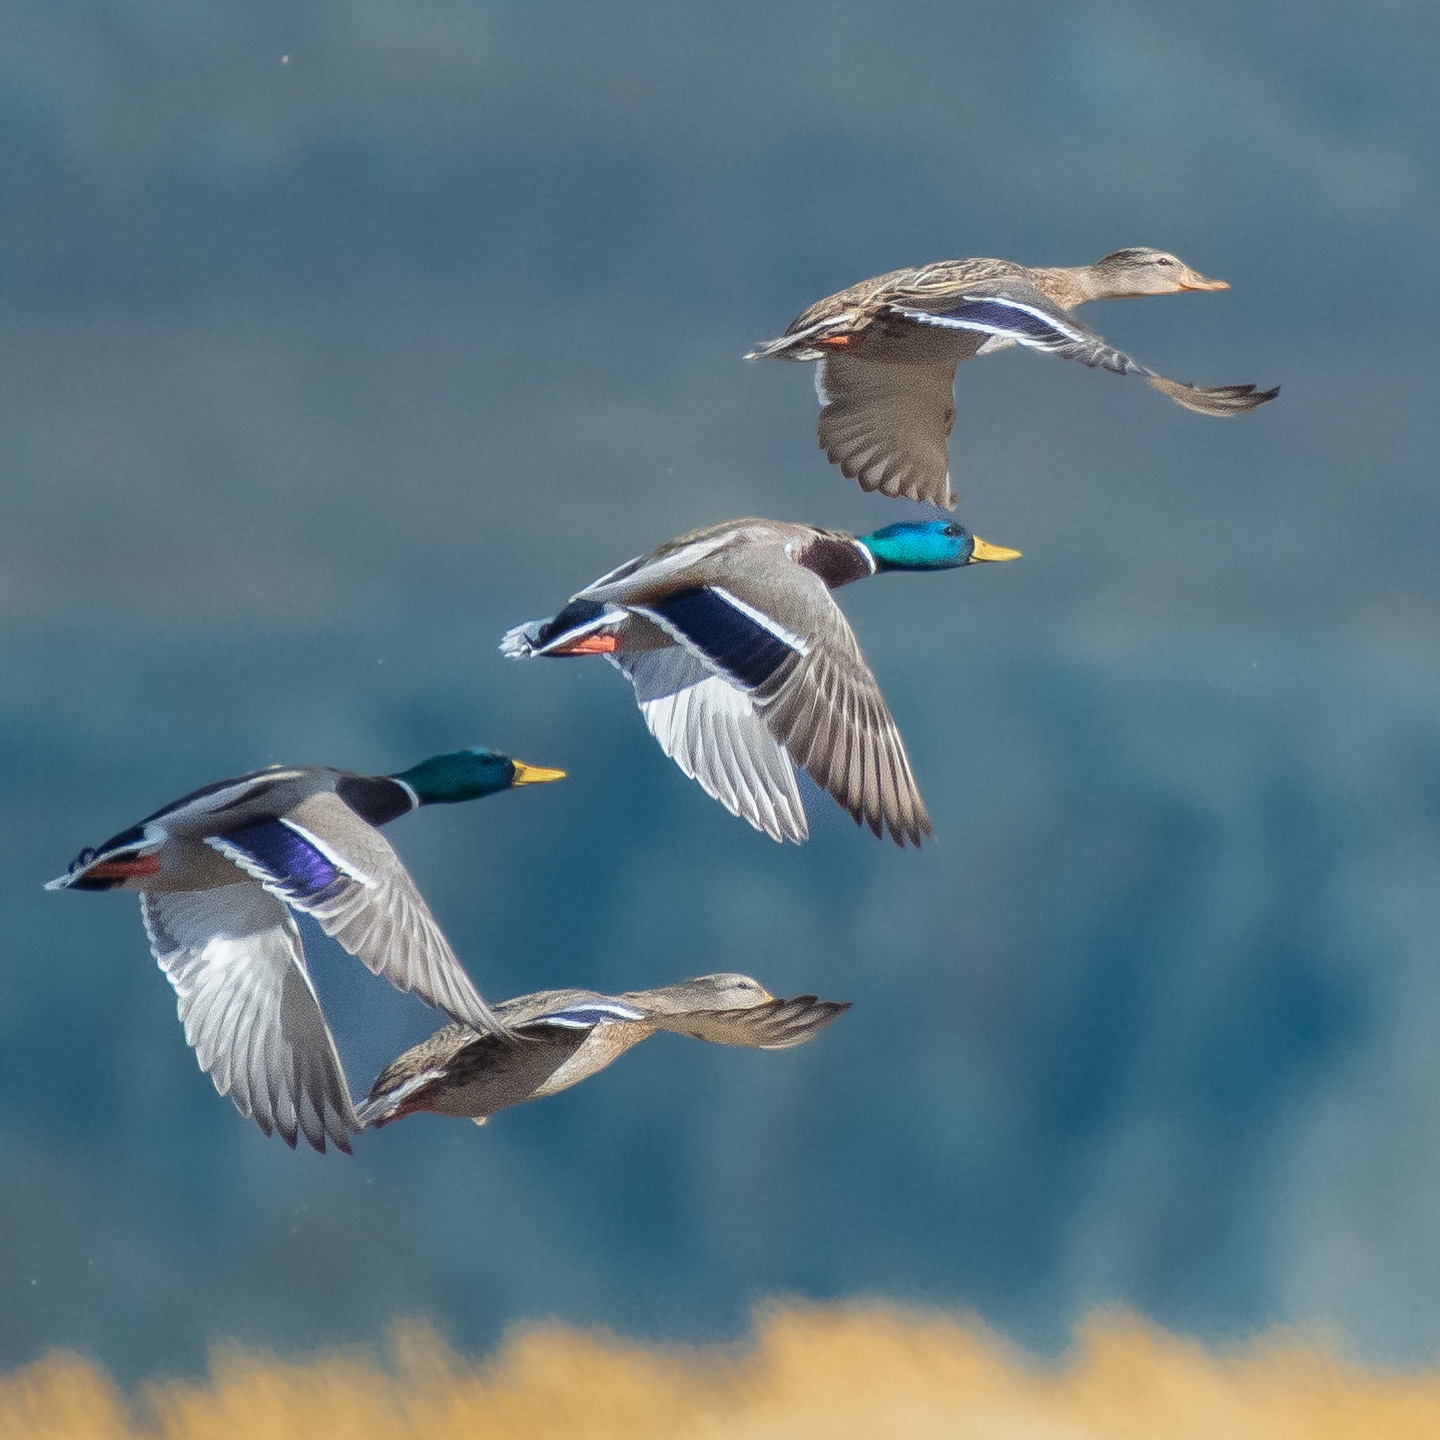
(286, 860)
(1036, 326)
(735, 637)
(589, 1014)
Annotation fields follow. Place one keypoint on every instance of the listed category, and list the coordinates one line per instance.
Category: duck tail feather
(519, 643)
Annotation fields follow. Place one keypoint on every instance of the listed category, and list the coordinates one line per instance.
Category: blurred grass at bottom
(833, 1371)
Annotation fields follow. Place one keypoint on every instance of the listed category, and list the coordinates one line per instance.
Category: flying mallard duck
(742, 662)
(213, 869)
(888, 349)
(565, 1036)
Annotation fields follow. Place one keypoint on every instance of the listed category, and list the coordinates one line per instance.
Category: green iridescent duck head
(471, 775)
(930, 545)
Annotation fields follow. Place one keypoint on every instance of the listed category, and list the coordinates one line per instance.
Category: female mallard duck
(212, 870)
(565, 1036)
(742, 662)
(888, 349)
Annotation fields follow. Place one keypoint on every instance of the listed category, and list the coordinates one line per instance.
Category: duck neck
(1068, 285)
(839, 559)
(377, 799)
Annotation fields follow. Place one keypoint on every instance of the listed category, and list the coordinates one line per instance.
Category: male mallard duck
(565, 1036)
(742, 662)
(888, 349)
(212, 870)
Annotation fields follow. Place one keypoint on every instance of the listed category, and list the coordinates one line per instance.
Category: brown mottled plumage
(556, 1038)
(888, 348)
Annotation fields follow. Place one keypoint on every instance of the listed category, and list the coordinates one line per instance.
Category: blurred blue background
(340, 338)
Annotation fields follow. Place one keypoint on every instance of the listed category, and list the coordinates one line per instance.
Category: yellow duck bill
(984, 550)
(535, 774)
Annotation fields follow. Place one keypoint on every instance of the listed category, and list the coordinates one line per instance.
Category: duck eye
(953, 529)
(1164, 260)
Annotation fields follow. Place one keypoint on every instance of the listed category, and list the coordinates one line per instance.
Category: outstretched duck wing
(1011, 312)
(234, 957)
(711, 729)
(888, 425)
(1218, 400)
(324, 860)
(1018, 314)
(774, 632)
(775, 1025)
(829, 714)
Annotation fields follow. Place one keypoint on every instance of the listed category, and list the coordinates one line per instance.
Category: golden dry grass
(822, 1372)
